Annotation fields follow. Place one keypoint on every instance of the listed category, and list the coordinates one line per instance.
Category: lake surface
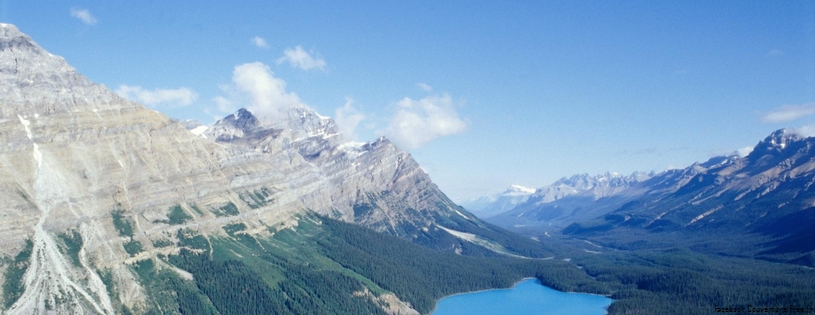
(528, 297)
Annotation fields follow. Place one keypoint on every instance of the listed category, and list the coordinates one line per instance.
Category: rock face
(374, 184)
(761, 205)
(81, 165)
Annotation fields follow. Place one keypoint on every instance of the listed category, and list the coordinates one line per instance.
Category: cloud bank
(788, 113)
(744, 151)
(158, 97)
(347, 119)
(417, 122)
(267, 94)
(299, 58)
(83, 15)
(255, 87)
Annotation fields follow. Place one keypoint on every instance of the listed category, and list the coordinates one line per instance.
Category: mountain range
(112, 208)
(724, 205)
(94, 184)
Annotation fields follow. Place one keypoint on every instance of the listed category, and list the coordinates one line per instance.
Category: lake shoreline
(514, 285)
(436, 306)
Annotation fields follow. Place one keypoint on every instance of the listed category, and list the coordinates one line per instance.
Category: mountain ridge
(94, 184)
(727, 203)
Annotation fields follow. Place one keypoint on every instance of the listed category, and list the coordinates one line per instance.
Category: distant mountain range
(521, 206)
(762, 204)
(487, 206)
(112, 208)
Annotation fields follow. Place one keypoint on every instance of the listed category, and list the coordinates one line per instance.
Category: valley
(110, 207)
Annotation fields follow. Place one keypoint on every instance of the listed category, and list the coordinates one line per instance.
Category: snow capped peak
(602, 185)
(518, 190)
(779, 140)
(9, 29)
(782, 137)
(14, 43)
(35, 81)
(493, 204)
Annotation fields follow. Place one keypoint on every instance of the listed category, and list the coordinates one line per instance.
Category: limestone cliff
(80, 165)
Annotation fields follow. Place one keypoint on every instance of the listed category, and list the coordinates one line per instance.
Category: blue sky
(483, 94)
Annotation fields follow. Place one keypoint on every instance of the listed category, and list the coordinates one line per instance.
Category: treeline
(225, 285)
(422, 276)
(325, 268)
(236, 279)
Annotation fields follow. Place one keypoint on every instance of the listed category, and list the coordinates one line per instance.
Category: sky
(483, 94)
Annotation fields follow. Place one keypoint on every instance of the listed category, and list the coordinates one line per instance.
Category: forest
(324, 266)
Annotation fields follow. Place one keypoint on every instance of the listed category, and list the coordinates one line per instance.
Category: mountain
(113, 208)
(110, 207)
(490, 205)
(570, 199)
(761, 205)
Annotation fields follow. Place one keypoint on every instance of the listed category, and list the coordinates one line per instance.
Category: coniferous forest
(324, 266)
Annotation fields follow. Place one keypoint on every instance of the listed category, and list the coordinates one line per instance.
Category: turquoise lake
(528, 297)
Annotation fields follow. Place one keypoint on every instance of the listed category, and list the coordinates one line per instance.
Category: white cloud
(744, 151)
(260, 42)
(775, 52)
(255, 87)
(224, 105)
(158, 97)
(83, 15)
(417, 122)
(424, 87)
(299, 58)
(805, 131)
(788, 113)
(347, 119)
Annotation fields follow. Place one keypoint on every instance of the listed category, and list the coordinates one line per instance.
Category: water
(528, 297)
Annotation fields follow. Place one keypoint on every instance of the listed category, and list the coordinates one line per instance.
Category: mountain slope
(73, 153)
(101, 194)
(761, 204)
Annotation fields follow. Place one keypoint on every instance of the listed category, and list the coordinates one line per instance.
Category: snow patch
(352, 149)
(199, 131)
(37, 153)
(352, 145)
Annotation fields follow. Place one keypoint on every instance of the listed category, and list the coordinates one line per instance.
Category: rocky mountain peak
(12, 38)
(35, 82)
(585, 181)
(300, 121)
(778, 140)
(597, 186)
(237, 125)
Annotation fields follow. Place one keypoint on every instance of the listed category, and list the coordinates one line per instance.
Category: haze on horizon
(484, 94)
